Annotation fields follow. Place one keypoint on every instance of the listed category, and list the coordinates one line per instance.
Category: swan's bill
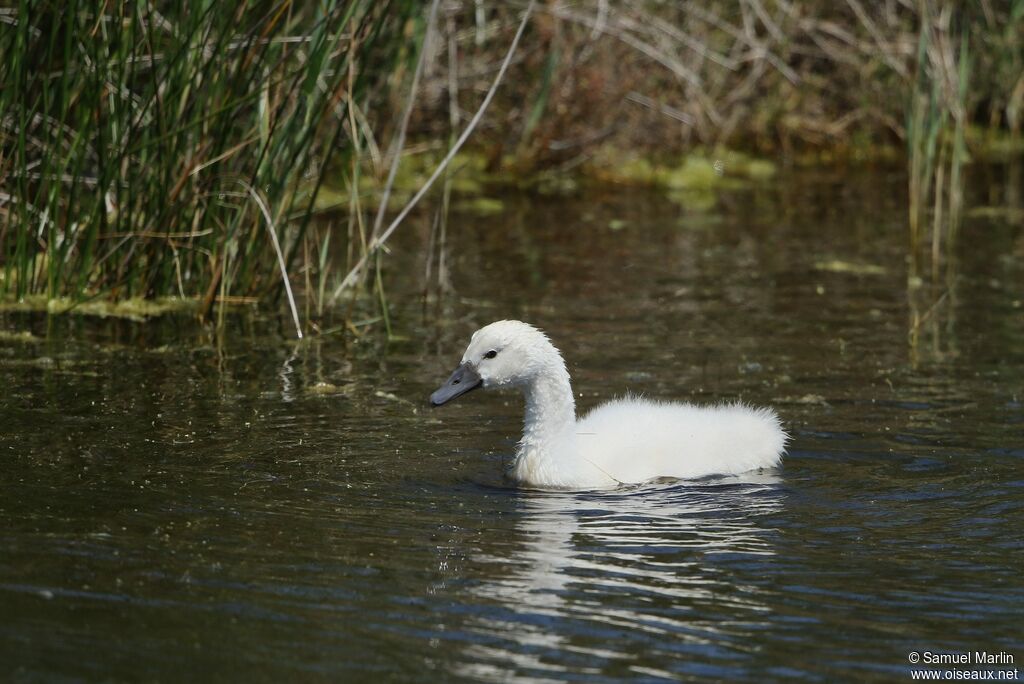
(464, 379)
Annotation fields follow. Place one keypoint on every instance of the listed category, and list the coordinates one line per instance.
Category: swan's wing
(635, 440)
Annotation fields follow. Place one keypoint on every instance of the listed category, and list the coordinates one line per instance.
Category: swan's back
(635, 440)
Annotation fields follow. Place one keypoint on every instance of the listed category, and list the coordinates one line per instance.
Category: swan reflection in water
(637, 579)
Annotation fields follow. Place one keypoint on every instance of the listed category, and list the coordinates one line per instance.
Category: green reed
(937, 118)
(155, 148)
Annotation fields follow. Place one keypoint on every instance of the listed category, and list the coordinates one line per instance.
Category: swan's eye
(491, 354)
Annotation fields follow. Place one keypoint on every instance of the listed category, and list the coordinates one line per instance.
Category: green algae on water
(480, 206)
(839, 266)
(135, 308)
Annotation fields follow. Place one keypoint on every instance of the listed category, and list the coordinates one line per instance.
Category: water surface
(177, 504)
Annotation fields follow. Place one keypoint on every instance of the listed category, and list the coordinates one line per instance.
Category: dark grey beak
(464, 379)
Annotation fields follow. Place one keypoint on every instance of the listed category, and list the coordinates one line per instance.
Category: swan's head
(502, 354)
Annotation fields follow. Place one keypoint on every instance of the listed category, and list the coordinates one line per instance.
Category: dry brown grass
(777, 76)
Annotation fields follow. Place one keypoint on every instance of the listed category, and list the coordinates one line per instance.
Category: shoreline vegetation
(164, 157)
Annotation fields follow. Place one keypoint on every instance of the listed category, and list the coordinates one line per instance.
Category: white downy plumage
(626, 441)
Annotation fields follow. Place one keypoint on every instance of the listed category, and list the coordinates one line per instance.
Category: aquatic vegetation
(1007, 214)
(840, 266)
(481, 206)
(698, 171)
(133, 308)
(152, 150)
(937, 119)
(22, 336)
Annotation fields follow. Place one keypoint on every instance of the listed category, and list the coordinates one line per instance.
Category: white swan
(629, 440)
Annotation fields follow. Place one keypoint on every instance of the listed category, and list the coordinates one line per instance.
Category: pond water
(177, 505)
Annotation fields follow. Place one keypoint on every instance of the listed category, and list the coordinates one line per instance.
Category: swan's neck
(550, 410)
(549, 431)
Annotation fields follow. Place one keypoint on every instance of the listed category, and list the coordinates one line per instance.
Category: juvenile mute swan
(629, 440)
